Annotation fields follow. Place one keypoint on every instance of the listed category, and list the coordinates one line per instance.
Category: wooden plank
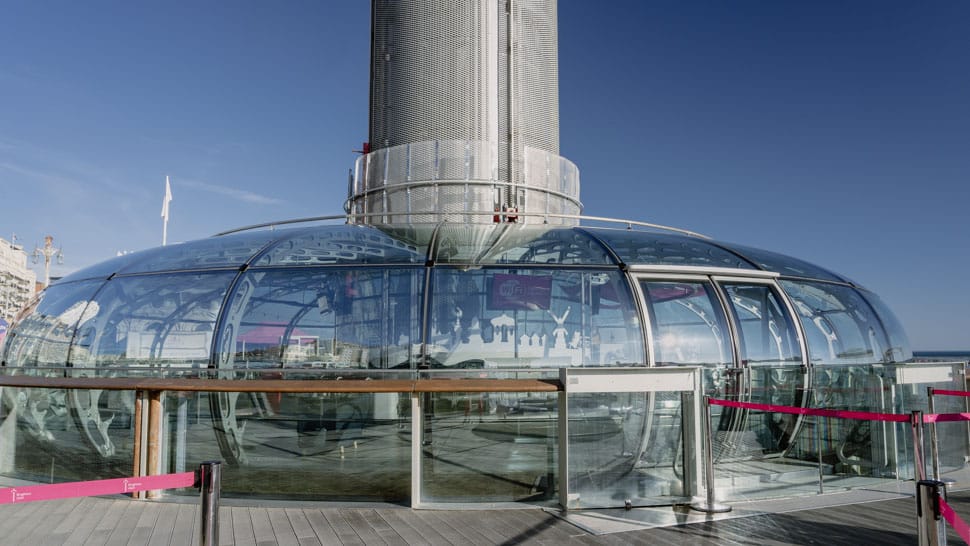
(282, 529)
(242, 527)
(110, 515)
(299, 523)
(164, 525)
(126, 523)
(19, 524)
(402, 527)
(145, 523)
(262, 527)
(380, 526)
(182, 532)
(467, 528)
(345, 532)
(225, 525)
(542, 525)
(321, 526)
(429, 520)
(89, 511)
(357, 518)
(284, 385)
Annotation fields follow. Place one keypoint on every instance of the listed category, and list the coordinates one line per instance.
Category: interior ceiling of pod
(457, 244)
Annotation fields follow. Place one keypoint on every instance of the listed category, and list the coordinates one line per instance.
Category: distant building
(17, 281)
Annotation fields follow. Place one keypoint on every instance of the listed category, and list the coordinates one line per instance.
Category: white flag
(167, 200)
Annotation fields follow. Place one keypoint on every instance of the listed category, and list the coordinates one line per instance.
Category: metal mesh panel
(443, 95)
(536, 75)
(427, 73)
(454, 176)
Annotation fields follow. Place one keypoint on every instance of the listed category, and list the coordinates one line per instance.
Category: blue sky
(836, 132)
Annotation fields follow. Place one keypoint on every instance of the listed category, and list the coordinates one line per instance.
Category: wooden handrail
(283, 385)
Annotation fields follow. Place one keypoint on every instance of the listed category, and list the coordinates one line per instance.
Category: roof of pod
(450, 244)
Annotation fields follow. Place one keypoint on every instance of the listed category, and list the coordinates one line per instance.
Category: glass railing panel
(631, 436)
(333, 446)
(61, 435)
(489, 447)
(626, 447)
(911, 384)
(843, 453)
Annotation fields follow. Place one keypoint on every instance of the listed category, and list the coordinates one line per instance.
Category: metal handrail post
(211, 485)
(930, 528)
(710, 505)
(919, 463)
(934, 447)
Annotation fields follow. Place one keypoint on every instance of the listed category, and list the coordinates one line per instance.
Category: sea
(942, 356)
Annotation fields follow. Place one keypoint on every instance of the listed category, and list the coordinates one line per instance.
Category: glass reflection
(518, 243)
(306, 446)
(163, 320)
(651, 248)
(625, 447)
(43, 335)
(841, 326)
(45, 436)
(489, 447)
(322, 318)
(688, 324)
(532, 317)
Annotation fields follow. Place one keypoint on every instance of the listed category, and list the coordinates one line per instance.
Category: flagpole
(165, 202)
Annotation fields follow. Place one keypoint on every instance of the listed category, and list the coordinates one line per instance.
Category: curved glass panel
(772, 356)
(341, 245)
(651, 248)
(840, 325)
(215, 252)
(418, 236)
(785, 265)
(688, 324)
(767, 333)
(519, 244)
(107, 268)
(899, 348)
(532, 318)
(322, 318)
(43, 336)
(159, 320)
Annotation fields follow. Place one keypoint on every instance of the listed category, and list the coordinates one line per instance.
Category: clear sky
(836, 132)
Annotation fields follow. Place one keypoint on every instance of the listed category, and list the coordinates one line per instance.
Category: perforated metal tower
(464, 115)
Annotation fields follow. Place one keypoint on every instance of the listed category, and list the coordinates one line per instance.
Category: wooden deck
(123, 521)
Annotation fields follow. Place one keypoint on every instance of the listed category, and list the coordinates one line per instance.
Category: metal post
(153, 467)
(211, 485)
(919, 464)
(818, 453)
(417, 454)
(935, 440)
(930, 528)
(139, 454)
(181, 425)
(934, 448)
(710, 505)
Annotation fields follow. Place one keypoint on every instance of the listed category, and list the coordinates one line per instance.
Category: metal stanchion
(934, 439)
(210, 481)
(710, 506)
(930, 527)
(818, 454)
(919, 463)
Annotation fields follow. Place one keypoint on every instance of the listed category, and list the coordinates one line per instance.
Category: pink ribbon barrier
(10, 495)
(844, 414)
(955, 521)
(951, 393)
(945, 417)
